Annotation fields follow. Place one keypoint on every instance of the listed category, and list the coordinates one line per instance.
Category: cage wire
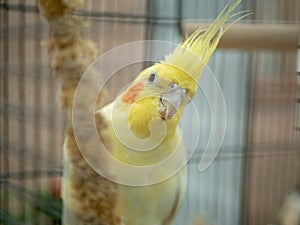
(258, 165)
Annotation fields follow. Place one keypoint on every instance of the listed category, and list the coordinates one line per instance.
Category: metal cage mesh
(266, 153)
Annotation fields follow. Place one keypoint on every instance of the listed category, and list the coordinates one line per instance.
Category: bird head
(164, 89)
(168, 87)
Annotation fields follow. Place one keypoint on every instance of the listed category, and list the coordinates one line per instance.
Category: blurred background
(258, 166)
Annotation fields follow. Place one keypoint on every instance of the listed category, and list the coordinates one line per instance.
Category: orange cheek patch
(130, 95)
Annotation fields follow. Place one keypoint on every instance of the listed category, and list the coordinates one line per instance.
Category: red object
(130, 95)
(55, 184)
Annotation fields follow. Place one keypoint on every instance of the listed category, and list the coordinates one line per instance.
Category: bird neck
(144, 118)
(156, 134)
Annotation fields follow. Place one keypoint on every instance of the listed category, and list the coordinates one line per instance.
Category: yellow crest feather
(193, 54)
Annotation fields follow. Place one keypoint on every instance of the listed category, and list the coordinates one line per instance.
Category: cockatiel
(149, 111)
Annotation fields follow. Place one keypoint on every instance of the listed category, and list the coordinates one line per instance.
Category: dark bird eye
(173, 86)
(152, 77)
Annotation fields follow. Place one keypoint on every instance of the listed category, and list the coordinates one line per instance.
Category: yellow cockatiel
(158, 94)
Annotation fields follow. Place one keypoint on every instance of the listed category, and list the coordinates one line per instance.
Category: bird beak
(170, 101)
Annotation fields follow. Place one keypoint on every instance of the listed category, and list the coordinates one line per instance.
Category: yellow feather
(193, 54)
(158, 203)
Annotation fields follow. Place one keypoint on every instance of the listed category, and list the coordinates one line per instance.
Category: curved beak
(170, 102)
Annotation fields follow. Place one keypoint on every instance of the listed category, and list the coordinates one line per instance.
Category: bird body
(155, 203)
(142, 129)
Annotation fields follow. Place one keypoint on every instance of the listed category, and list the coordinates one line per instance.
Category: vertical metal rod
(21, 119)
(52, 109)
(38, 108)
(4, 109)
(247, 150)
(149, 24)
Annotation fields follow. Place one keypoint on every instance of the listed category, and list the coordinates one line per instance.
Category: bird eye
(173, 86)
(152, 77)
